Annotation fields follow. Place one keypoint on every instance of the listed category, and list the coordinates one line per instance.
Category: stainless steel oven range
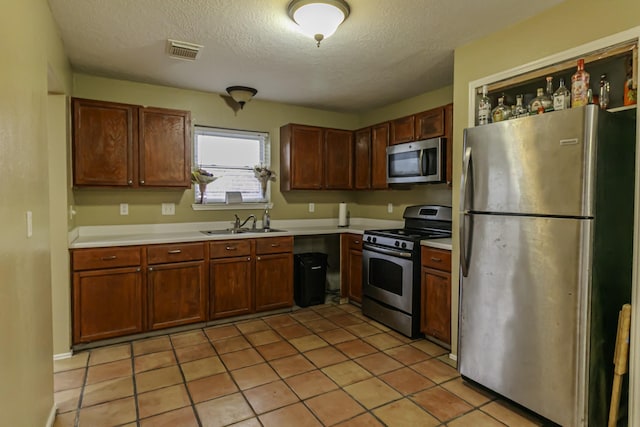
(391, 267)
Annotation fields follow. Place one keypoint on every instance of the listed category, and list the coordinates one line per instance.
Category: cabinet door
(402, 130)
(165, 148)
(231, 287)
(177, 294)
(338, 160)
(436, 304)
(362, 159)
(430, 124)
(306, 157)
(379, 143)
(355, 275)
(351, 267)
(106, 304)
(104, 135)
(274, 281)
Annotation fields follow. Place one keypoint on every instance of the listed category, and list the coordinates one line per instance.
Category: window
(231, 155)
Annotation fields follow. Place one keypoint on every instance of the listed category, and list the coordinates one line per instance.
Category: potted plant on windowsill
(202, 178)
(264, 175)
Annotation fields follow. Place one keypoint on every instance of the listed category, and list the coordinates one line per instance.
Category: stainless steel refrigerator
(546, 230)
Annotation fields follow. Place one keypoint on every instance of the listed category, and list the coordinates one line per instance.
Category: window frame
(265, 154)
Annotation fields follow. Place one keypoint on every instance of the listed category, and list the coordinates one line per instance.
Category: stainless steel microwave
(416, 162)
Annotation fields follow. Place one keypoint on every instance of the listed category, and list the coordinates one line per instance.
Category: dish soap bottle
(266, 219)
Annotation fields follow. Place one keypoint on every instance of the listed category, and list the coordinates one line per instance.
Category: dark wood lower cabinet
(351, 267)
(177, 294)
(436, 304)
(274, 281)
(107, 303)
(231, 287)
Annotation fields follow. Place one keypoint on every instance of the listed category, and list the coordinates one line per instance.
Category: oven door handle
(387, 251)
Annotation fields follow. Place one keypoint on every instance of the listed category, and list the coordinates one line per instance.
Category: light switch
(390, 208)
(168, 209)
(29, 224)
(124, 208)
(312, 207)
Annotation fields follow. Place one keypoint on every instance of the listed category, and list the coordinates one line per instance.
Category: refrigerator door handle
(466, 168)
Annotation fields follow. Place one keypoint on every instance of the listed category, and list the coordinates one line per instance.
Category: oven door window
(387, 275)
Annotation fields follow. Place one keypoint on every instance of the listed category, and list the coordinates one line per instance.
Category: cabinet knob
(231, 248)
(248, 258)
(275, 245)
(174, 251)
(258, 258)
(142, 181)
(138, 269)
(108, 258)
(357, 242)
(130, 182)
(150, 268)
(434, 259)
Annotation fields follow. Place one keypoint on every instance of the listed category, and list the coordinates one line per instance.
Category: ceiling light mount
(241, 94)
(318, 18)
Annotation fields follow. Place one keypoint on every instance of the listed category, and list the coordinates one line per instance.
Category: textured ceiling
(386, 51)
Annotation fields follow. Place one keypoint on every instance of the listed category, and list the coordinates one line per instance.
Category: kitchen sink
(240, 231)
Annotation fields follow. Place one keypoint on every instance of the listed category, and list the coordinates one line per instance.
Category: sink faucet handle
(237, 221)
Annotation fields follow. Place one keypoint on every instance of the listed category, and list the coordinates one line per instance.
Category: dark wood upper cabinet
(362, 159)
(379, 144)
(165, 148)
(338, 159)
(301, 157)
(402, 130)
(122, 145)
(104, 136)
(429, 124)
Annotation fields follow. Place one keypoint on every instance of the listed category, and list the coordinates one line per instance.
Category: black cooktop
(411, 234)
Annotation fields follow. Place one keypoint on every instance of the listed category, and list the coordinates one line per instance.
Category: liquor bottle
(579, 86)
(484, 107)
(520, 110)
(501, 112)
(604, 92)
(630, 91)
(541, 103)
(548, 93)
(561, 97)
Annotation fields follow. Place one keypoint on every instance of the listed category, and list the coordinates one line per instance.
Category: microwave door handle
(464, 214)
(422, 165)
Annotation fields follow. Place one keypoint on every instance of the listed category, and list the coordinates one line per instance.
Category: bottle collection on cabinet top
(550, 98)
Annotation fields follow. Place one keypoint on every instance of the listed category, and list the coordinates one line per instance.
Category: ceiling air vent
(183, 50)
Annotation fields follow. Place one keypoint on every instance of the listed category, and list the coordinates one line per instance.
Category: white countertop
(143, 234)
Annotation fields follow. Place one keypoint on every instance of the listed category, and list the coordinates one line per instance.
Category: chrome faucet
(238, 225)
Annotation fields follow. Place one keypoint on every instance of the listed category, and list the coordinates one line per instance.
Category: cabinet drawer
(273, 245)
(99, 258)
(159, 254)
(354, 242)
(230, 248)
(436, 258)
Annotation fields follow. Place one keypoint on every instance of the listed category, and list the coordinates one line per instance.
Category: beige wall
(101, 207)
(570, 24)
(30, 45)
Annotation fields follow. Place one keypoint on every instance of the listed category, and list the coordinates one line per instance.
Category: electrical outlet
(312, 207)
(168, 209)
(390, 208)
(124, 208)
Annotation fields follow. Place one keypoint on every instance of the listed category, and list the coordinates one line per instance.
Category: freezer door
(522, 311)
(541, 165)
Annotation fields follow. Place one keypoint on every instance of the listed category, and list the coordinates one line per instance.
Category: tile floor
(319, 366)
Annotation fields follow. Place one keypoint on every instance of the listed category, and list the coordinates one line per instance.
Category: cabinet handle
(231, 248)
(174, 251)
(108, 258)
(275, 245)
(434, 259)
(357, 242)
(142, 181)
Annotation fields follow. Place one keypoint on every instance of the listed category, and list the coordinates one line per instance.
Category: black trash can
(310, 275)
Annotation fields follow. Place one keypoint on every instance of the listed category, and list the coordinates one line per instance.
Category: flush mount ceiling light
(241, 94)
(318, 19)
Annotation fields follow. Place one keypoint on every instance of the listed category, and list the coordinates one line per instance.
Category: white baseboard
(52, 416)
(453, 357)
(62, 355)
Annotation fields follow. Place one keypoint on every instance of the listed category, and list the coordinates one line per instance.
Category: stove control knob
(404, 245)
(368, 238)
(397, 243)
(374, 240)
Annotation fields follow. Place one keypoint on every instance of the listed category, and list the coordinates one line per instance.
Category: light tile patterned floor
(319, 366)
